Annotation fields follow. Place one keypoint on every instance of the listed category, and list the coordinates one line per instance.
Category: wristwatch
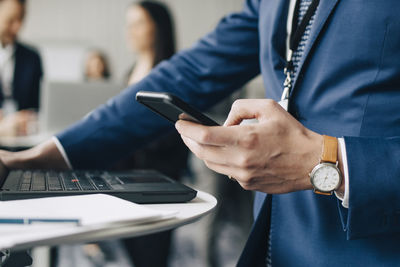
(326, 176)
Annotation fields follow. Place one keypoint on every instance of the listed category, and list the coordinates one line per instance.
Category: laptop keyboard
(68, 181)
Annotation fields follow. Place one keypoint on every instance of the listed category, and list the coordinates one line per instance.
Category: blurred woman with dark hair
(150, 35)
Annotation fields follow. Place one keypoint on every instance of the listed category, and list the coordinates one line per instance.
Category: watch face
(325, 177)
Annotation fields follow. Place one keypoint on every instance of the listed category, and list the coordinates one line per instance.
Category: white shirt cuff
(62, 151)
(345, 197)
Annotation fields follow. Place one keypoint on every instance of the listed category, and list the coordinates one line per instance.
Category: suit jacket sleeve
(214, 67)
(374, 182)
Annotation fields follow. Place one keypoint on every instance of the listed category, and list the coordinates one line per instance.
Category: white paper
(89, 209)
(94, 211)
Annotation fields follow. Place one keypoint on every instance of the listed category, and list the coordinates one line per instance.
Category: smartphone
(172, 107)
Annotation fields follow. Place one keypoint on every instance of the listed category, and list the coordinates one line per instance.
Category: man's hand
(274, 155)
(20, 123)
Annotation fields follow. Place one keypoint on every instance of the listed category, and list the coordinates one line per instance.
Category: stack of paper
(28, 219)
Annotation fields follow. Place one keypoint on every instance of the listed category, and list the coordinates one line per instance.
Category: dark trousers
(150, 250)
(17, 259)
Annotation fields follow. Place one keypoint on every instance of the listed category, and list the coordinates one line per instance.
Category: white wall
(63, 29)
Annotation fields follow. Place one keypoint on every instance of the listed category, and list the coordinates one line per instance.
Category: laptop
(139, 186)
(64, 103)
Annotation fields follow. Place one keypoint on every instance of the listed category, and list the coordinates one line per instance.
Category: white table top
(189, 212)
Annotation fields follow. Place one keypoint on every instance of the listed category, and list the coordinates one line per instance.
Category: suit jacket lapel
(14, 78)
(325, 9)
(1, 95)
(17, 71)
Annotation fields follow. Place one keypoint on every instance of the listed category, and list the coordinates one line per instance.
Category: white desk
(189, 212)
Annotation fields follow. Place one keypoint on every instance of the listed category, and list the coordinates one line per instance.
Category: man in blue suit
(343, 81)
(27, 77)
(20, 65)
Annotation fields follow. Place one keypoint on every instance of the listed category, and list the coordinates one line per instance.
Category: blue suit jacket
(27, 76)
(349, 85)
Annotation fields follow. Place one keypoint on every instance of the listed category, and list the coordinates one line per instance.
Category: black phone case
(172, 108)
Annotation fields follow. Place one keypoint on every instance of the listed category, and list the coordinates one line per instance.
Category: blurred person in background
(20, 76)
(20, 72)
(150, 36)
(96, 66)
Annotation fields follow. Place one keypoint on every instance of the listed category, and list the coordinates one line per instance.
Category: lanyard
(296, 32)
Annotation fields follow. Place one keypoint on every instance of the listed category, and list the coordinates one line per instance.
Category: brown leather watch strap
(329, 153)
(322, 193)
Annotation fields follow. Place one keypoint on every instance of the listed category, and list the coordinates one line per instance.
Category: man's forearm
(43, 156)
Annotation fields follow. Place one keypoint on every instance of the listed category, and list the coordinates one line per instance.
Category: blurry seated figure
(96, 66)
(20, 72)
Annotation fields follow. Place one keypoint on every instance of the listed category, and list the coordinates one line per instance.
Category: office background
(65, 30)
